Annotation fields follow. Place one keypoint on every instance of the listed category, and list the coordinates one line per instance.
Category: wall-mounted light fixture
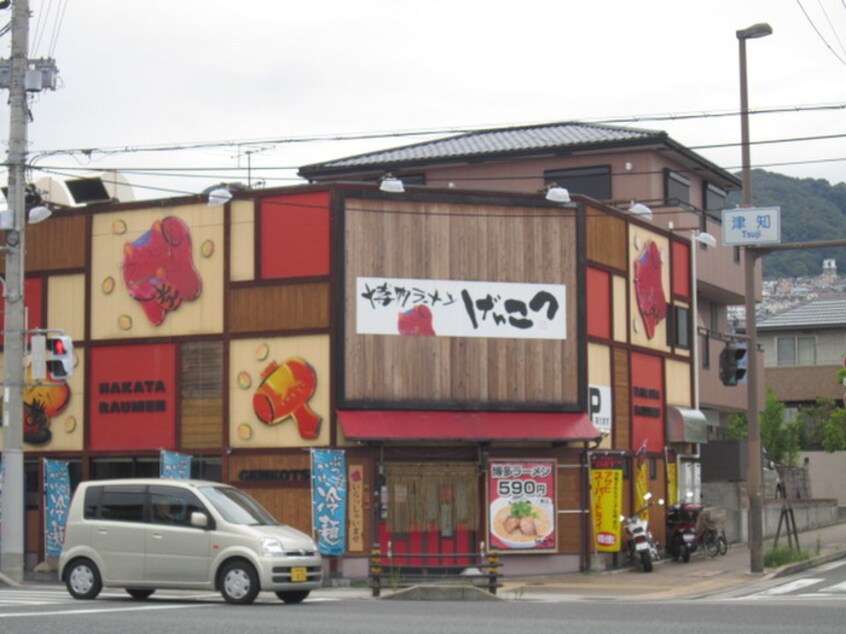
(639, 209)
(39, 213)
(557, 194)
(391, 185)
(219, 196)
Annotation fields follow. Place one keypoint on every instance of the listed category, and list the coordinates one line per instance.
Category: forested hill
(811, 209)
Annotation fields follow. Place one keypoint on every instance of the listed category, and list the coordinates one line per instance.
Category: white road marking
(830, 566)
(790, 587)
(95, 611)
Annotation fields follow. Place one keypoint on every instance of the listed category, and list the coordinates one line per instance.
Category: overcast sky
(175, 72)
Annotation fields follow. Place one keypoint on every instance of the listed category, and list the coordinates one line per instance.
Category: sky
(267, 83)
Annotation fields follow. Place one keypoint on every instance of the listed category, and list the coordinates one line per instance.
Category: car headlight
(271, 547)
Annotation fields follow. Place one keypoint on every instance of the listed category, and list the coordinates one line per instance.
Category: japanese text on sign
(451, 308)
(752, 225)
(329, 500)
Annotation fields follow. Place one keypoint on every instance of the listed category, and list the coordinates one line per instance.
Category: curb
(7, 582)
(801, 566)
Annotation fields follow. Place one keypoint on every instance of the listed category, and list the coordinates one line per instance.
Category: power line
(820, 35)
(200, 145)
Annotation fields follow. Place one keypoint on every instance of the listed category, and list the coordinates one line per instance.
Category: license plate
(641, 546)
(689, 538)
(299, 574)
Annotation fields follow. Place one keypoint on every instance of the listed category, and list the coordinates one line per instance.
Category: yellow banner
(607, 501)
(642, 485)
(672, 484)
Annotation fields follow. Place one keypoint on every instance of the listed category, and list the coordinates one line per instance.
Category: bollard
(493, 571)
(376, 570)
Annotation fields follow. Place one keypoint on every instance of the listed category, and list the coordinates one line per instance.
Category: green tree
(834, 433)
(737, 428)
(780, 439)
(814, 420)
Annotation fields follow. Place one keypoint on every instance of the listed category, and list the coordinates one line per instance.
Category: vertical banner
(355, 540)
(57, 495)
(174, 465)
(521, 511)
(2, 475)
(642, 478)
(329, 499)
(606, 471)
(672, 476)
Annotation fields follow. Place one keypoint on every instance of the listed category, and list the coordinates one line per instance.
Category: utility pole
(22, 76)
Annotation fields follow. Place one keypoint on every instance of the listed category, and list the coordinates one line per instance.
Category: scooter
(681, 530)
(641, 546)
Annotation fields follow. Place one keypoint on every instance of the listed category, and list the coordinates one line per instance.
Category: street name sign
(752, 226)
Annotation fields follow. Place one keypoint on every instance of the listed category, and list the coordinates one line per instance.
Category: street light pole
(12, 540)
(753, 475)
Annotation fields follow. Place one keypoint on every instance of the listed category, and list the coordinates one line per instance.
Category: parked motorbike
(681, 530)
(642, 548)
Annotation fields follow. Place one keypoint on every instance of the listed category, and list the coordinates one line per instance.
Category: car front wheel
(83, 580)
(239, 583)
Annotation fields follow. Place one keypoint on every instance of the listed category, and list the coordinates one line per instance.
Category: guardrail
(482, 571)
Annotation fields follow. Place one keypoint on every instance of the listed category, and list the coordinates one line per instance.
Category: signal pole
(20, 75)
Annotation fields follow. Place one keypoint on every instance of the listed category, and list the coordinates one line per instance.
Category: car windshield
(237, 507)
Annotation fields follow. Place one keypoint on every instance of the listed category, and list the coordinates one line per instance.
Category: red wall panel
(598, 303)
(294, 236)
(647, 401)
(33, 300)
(681, 269)
(133, 397)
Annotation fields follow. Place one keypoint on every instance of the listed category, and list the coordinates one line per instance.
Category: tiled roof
(520, 140)
(821, 313)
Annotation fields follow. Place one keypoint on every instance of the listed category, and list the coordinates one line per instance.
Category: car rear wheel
(239, 583)
(83, 579)
(139, 593)
(293, 596)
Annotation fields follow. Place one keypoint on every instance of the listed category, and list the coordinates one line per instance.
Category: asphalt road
(207, 614)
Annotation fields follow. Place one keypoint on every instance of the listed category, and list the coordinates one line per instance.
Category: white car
(146, 534)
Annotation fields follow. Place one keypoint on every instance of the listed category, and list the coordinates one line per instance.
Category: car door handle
(157, 536)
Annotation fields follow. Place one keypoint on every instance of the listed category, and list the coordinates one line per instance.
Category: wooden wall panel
(451, 241)
(201, 383)
(569, 498)
(605, 239)
(622, 400)
(56, 245)
(283, 307)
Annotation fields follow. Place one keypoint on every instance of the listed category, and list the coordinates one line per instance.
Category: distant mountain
(811, 209)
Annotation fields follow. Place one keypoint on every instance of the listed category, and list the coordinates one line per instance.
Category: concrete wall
(808, 514)
(827, 473)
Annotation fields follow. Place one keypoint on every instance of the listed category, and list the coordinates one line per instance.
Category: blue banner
(174, 465)
(57, 491)
(329, 500)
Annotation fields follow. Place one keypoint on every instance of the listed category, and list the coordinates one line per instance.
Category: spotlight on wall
(391, 185)
(39, 213)
(557, 194)
(639, 209)
(705, 238)
(219, 196)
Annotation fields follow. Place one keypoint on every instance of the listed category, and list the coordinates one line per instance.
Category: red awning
(469, 426)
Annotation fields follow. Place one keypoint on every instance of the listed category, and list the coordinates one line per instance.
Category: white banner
(453, 308)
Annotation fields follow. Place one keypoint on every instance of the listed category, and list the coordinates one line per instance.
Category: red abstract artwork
(40, 404)
(416, 321)
(649, 290)
(159, 271)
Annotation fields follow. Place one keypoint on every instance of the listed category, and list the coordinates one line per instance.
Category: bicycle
(714, 542)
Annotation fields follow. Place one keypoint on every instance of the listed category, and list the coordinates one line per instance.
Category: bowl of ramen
(521, 523)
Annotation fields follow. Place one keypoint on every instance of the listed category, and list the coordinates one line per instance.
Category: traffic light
(59, 357)
(732, 365)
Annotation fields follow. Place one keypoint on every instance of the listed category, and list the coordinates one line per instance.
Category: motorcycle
(681, 530)
(641, 547)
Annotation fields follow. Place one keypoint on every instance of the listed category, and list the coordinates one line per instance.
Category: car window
(173, 506)
(237, 507)
(124, 503)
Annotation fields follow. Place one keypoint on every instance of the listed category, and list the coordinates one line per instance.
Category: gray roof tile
(823, 313)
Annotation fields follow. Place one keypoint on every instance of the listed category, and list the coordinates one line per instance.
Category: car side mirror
(199, 520)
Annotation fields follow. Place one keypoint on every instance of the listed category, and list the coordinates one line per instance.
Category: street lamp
(753, 473)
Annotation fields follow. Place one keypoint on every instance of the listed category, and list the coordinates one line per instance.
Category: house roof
(821, 313)
(523, 141)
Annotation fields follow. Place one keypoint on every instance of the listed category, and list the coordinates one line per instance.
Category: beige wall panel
(447, 241)
(248, 359)
(599, 373)
(66, 304)
(64, 425)
(621, 326)
(280, 307)
(638, 239)
(677, 375)
(242, 261)
(114, 314)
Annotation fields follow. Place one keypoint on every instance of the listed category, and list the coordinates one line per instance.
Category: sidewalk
(703, 576)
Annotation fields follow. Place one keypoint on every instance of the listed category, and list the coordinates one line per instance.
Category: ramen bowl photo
(521, 523)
